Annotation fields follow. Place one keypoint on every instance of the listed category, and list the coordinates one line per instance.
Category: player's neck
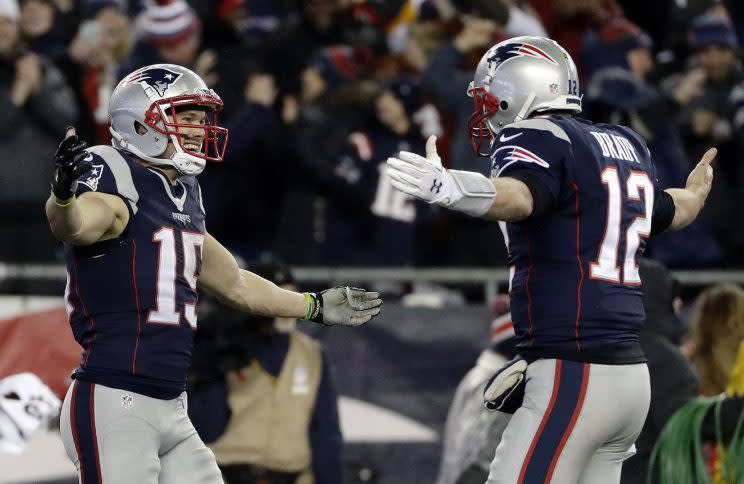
(171, 173)
(168, 171)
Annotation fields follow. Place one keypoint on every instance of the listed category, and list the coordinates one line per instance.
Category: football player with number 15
(136, 246)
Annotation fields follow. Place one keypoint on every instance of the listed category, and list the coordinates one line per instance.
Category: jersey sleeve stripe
(121, 172)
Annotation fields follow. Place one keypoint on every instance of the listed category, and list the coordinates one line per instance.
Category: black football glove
(69, 164)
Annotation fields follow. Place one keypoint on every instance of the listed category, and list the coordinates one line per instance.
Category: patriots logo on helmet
(158, 78)
(509, 51)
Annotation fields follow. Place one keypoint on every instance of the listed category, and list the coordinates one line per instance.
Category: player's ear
(139, 128)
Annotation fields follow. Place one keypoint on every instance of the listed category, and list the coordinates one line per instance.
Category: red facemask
(486, 105)
(162, 118)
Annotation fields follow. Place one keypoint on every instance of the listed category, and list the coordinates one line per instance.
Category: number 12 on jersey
(606, 266)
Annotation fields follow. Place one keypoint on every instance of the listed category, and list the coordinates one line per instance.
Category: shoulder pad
(120, 170)
(540, 124)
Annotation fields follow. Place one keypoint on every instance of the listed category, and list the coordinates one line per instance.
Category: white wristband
(477, 192)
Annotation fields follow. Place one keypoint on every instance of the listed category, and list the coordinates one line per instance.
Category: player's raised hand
(344, 306)
(421, 177)
(427, 180)
(70, 162)
(701, 177)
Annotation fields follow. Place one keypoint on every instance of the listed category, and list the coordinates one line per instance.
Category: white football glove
(427, 180)
(505, 390)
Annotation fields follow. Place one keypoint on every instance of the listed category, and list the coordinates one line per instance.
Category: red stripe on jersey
(527, 287)
(136, 301)
(92, 324)
(581, 266)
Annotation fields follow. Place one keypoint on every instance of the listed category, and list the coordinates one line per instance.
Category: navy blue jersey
(574, 280)
(381, 232)
(131, 300)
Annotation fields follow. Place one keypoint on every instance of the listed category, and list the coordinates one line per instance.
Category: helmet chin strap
(525, 107)
(185, 163)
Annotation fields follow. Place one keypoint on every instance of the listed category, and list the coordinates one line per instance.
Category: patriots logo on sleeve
(502, 54)
(158, 78)
(91, 180)
(511, 154)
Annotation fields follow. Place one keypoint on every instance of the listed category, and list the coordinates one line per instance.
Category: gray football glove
(344, 306)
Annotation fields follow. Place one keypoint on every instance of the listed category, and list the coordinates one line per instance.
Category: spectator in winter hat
(715, 44)
(169, 31)
(173, 28)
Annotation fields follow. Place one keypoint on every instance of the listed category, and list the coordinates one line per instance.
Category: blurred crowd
(318, 93)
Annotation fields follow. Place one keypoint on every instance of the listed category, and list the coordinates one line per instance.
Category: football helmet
(143, 110)
(517, 78)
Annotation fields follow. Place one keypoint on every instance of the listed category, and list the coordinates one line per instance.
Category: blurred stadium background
(318, 93)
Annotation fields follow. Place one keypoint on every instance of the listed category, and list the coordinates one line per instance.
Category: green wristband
(63, 203)
(313, 306)
(310, 305)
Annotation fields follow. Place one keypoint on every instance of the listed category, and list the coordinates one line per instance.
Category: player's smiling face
(192, 138)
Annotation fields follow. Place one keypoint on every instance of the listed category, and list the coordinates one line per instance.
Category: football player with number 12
(576, 202)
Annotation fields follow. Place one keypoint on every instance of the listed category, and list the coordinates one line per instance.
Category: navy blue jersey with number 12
(574, 279)
(131, 300)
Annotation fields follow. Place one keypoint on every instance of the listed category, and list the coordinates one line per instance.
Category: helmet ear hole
(139, 128)
(503, 105)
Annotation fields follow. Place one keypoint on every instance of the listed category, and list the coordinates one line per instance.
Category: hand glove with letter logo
(427, 180)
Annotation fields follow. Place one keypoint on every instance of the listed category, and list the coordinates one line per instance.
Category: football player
(576, 202)
(132, 219)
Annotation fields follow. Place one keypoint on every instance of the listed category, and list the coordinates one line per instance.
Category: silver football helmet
(517, 78)
(143, 109)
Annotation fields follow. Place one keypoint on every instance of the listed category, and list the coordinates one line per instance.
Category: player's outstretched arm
(689, 201)
(425, 178)
(92, 216)
(246, 291)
